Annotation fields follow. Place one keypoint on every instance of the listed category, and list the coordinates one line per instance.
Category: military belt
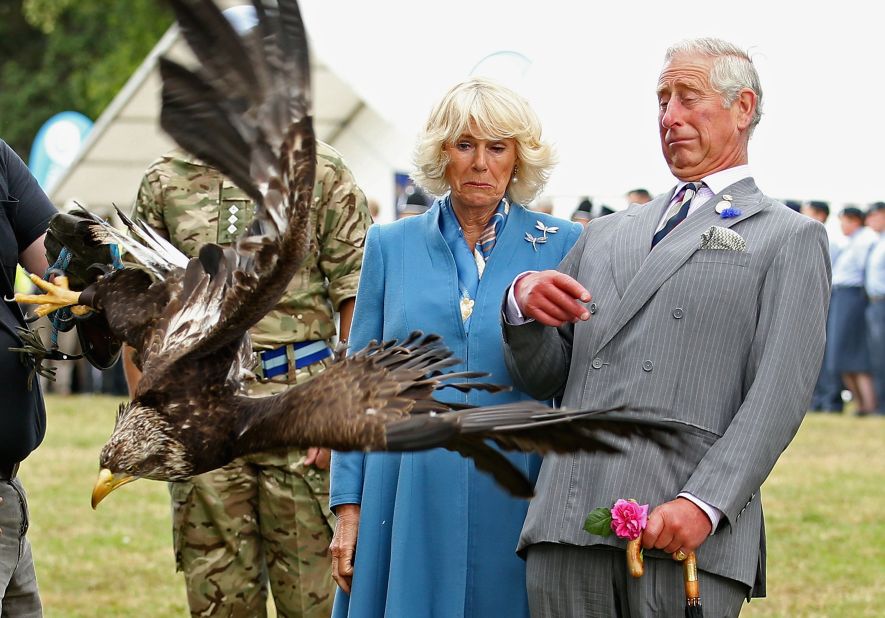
(277, 362)
(8, 471)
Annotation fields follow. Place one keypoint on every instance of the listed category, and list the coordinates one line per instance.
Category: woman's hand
(343, 544)
(318, 457)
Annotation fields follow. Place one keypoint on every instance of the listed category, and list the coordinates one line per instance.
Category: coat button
(647, 365)
(678, 313)
(597, 363)
(592, 308)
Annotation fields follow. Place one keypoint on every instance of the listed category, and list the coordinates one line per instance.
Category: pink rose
(629, 519)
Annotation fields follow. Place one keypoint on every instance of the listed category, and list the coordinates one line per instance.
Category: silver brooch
(725, 204)
(540, 240)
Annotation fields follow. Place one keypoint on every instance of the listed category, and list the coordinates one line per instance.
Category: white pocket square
(722, 239)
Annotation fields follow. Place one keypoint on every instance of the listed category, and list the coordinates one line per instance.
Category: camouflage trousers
(261, 519)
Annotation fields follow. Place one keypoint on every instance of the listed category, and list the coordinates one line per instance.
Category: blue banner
(56, 146)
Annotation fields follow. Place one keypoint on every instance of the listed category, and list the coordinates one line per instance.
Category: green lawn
(824, 504)
(114, 561)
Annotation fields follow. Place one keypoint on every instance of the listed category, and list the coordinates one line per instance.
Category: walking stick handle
(690, 577)
(635, 565)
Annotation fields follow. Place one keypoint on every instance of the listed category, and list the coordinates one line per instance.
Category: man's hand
(318, 457)
(343, 544)
(551, 298)
(676, 525)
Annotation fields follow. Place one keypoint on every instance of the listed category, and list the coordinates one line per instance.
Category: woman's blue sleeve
(346, 479)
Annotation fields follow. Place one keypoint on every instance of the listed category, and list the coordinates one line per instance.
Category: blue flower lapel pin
(725, 209)
(540, 240)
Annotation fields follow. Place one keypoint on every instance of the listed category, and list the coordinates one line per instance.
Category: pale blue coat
(437, 538)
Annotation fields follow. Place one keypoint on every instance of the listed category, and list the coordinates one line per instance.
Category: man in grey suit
(708, 308)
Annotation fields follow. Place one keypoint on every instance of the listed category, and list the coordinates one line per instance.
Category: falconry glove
(71, 252)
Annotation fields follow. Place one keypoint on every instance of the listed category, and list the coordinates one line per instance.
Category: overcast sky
(592, 69)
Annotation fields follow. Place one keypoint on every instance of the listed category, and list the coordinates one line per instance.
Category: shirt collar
(719, 181)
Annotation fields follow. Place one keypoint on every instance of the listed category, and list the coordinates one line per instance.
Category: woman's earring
(515, 169)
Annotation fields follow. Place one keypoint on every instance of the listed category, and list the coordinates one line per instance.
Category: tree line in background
(58, 55)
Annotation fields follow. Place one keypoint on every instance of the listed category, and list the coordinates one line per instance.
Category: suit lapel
(632, 240)
(673, 251)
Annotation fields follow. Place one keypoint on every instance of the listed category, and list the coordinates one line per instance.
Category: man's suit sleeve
(538, 356)
(346, 480)
(785, 357)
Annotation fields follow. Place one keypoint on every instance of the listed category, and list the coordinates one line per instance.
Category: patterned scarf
(470, 264)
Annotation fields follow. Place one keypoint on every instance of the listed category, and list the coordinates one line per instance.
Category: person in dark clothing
(24, 215)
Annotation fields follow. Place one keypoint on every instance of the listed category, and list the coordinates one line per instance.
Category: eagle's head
(142, 445)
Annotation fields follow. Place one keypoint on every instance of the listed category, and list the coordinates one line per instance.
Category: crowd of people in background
(855, 356)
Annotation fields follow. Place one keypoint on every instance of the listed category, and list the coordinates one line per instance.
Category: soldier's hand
(343, 544)
(552, 298)
(318, 457)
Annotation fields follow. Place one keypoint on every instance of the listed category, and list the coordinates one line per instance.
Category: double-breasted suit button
(678, 313)
(592, 308)
(647, 365)
(596, 363)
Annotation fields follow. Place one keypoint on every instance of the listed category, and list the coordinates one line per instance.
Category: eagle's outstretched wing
(245, 111)
(381, 399)
(527, 426)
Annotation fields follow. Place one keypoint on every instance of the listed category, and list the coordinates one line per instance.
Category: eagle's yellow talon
(57, 295)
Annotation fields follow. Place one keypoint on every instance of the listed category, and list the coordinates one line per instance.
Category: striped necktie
(678, 211)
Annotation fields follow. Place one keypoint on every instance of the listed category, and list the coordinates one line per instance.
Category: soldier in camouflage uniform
(263, 517)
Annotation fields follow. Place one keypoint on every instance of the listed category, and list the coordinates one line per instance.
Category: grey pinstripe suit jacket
(728, 343)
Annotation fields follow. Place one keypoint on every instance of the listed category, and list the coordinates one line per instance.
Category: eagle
(246, 110)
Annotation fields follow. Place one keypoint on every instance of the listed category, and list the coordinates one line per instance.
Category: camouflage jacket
(192, 204)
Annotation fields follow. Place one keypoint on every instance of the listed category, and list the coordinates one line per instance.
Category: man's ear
(745, 108)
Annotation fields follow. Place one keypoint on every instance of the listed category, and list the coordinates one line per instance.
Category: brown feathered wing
(381, 399)
(246, 112)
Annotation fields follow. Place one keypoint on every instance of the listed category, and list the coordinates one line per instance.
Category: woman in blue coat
(433, 536)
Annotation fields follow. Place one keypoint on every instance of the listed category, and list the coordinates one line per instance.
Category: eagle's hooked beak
(107, 482)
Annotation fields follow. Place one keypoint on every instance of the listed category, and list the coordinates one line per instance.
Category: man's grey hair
(733, 70)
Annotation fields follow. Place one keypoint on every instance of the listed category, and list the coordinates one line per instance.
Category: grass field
(824, 504)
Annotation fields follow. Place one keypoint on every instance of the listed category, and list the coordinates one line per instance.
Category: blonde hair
(486, 110)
